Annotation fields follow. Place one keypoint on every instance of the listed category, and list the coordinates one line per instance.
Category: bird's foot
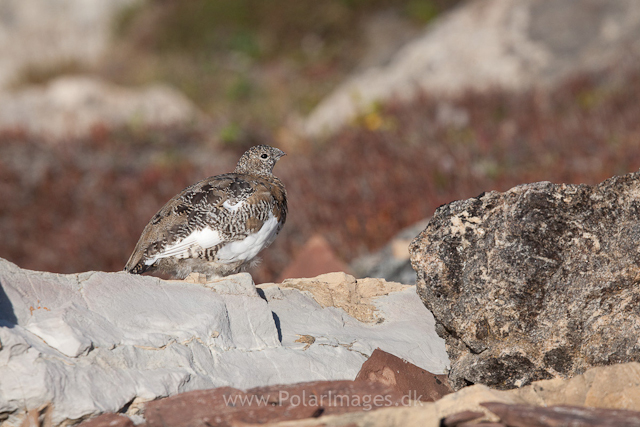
(196, 278)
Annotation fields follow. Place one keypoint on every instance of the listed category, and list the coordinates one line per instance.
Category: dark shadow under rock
(7, 316)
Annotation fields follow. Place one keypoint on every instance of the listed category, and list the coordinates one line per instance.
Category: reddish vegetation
(82, 206)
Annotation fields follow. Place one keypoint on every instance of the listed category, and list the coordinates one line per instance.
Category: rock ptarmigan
(218, 225)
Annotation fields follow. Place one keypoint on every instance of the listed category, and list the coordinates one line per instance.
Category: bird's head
(259, 160)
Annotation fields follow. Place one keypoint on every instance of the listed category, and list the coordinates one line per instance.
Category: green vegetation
(251, 62)
(259, 29)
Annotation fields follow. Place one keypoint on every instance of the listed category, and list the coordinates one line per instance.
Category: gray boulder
(51, 33)
(88, 343)
(538, 282)
(77, 106)
(510, 44)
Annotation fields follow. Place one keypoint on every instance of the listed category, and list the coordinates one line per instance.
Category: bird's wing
(198, 239)
(197, 219)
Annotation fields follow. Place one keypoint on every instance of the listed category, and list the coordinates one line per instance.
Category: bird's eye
(263, 156)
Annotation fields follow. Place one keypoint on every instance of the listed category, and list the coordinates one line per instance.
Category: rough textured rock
(422, 414)
(538, 282)
(614, 387)
(226, 406)
(513, 44)
(314, 258)
(556, 416)
(98, 342)
(609, 387)
(392, 262)
(48, 33)
(404, 377)
(77, 106)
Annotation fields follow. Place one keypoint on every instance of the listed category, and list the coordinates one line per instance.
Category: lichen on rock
(538, 282)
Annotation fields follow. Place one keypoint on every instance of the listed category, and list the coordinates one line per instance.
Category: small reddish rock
(404, 377)
(315, 258)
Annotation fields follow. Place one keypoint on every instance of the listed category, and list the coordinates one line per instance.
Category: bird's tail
(135, 267)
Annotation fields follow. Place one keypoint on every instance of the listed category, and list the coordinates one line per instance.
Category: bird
(217, 226)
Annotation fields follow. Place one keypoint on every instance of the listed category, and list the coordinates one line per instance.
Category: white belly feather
(241, 250)
(205, 238)
(249, 247)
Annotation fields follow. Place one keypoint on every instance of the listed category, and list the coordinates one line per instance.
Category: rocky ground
(533, 298)
(114, 349)
(512, 125)
(111, 342)
(592, 399)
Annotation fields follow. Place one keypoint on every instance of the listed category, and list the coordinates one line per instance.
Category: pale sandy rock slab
(512, 44)
(335, 308)
(344, 291)
(613, 387)
(553, 416)
(98, 342)
(77, 106)
(538, 282)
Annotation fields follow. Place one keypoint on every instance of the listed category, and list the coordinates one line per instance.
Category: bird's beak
(281, 153)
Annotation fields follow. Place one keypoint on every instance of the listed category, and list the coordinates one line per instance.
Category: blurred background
(386, 108)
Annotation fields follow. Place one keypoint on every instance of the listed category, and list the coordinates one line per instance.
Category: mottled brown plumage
(218, 225)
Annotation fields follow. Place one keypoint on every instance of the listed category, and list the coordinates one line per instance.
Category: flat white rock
(98, 342)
